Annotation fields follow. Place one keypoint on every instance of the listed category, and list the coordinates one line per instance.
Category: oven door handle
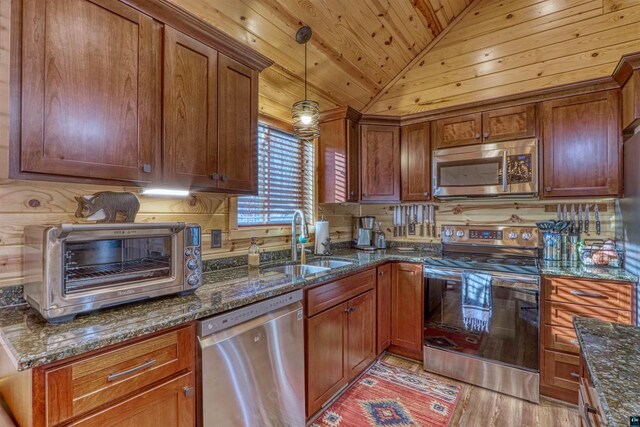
(456, 274)
(65, 229)
(505, 172)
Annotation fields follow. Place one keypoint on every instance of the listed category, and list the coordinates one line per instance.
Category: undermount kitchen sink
(298, 269)
(329, 263)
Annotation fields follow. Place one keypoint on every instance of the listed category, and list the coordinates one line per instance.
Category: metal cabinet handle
(214, 176)
(574, 374)
(223, 178)
(586, 294)
(147, 168)
(548, 189)
(353, 193)
(187, 391)
(477, 136)
(349, 310)
(574, 342)
(113, 377)
(486, 135)
(365, 195)
(426, 194)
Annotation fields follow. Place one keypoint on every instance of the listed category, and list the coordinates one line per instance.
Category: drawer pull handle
(586, 294)
(574, 342)
(575, 374)
(113, 377)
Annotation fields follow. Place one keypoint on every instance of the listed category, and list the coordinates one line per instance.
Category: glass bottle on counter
(254, 253)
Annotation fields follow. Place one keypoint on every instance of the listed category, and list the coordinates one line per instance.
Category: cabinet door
(459, 130)
(383, 308)
(91, 90)
(416, 163)
(361, 332)
(190, 116)
(380, 164)
(326, 356)
(332, 162)
(171, 404)
(509, 123)
(582, 146)
(237, 126)
(407, 302)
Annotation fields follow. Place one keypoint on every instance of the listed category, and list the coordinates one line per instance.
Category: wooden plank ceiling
(505, 47)
(357, 48)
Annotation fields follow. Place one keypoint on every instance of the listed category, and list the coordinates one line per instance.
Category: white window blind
(285, 180)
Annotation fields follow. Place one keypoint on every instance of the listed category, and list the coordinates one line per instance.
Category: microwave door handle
(505, 172)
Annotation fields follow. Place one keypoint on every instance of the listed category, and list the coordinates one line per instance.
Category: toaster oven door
(99, 266)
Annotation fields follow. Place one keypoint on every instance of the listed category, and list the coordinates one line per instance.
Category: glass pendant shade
(306, 119)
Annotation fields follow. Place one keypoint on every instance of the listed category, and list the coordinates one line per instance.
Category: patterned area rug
(390, 396)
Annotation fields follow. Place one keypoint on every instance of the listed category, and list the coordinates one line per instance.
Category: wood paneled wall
(501, 48)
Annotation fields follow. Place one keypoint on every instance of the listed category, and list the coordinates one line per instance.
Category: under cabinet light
(165, 192)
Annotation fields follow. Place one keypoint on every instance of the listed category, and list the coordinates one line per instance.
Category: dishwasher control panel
(227, 320)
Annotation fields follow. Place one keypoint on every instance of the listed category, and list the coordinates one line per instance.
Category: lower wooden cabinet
(407, 310)
(340, 340)
(171, 404)
(564, 298)
(383, 308)
(148, 382)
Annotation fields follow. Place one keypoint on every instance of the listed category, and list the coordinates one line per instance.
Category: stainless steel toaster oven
(74, 268)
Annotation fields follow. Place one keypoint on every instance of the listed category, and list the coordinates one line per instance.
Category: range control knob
(459, 233)
(192, 264)
(512, 235)
(525, 236)
(188, 252)
(193, 280)
(196, 251)
(448, 233)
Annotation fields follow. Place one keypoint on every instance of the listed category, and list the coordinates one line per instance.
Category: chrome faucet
(304, 232)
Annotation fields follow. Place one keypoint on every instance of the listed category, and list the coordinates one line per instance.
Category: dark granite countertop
(31, 341)
(612, 355)
(566, 269)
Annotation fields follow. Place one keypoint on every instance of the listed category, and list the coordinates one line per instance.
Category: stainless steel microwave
(74, 268)
(503, 169)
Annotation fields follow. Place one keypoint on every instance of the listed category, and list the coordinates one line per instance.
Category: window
(285, 180)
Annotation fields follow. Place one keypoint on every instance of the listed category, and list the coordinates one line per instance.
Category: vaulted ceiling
(358, 46)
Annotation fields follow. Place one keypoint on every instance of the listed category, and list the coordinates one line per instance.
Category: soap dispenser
(254, 253)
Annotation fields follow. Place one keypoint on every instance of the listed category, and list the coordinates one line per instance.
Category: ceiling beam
(424, 51)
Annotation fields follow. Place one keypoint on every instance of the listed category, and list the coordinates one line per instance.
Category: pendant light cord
(305, 71)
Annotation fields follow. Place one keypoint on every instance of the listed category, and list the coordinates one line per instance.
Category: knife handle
(598, 228)
(586, 226)
(579, 226)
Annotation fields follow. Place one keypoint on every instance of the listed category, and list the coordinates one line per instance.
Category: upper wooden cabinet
(338, 155)
(380, 163)
(582, 146)
(416, 162)
(90, 108)
(627, 73)
(509, 123)
(490, 126)
(459, 130)
(97, 81)
(190, 112)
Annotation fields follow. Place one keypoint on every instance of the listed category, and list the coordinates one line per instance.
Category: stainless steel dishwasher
(252, 362)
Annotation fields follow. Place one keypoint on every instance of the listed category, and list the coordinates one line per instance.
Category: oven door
(106, 264)
(479, 170)
(513, 327)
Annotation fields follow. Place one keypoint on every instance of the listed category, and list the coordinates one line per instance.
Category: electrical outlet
(216, 239)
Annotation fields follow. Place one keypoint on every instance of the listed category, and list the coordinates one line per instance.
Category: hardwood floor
(481, 407)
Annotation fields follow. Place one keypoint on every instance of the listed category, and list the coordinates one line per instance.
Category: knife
(433, 221)
(564, 213)
(586, 219)
(596, 210)
(559, 213)
(573, 218)
(395, 221)
(580, 218)
(413, 212)
(421, 219)
(404, 221)
(427, 219)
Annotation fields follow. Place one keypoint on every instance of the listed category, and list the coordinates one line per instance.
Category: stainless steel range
(482, 308)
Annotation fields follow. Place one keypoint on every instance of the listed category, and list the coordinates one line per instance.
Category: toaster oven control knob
(188, 252)
(448, 233)
(196, 251)
(512, 235)
(193, 280)
(526, 236)
(192, 264)
(459, 233)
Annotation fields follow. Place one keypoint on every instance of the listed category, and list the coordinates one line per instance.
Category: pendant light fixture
(305, 114)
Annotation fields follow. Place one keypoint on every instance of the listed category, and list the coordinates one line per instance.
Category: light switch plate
(216, 239)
